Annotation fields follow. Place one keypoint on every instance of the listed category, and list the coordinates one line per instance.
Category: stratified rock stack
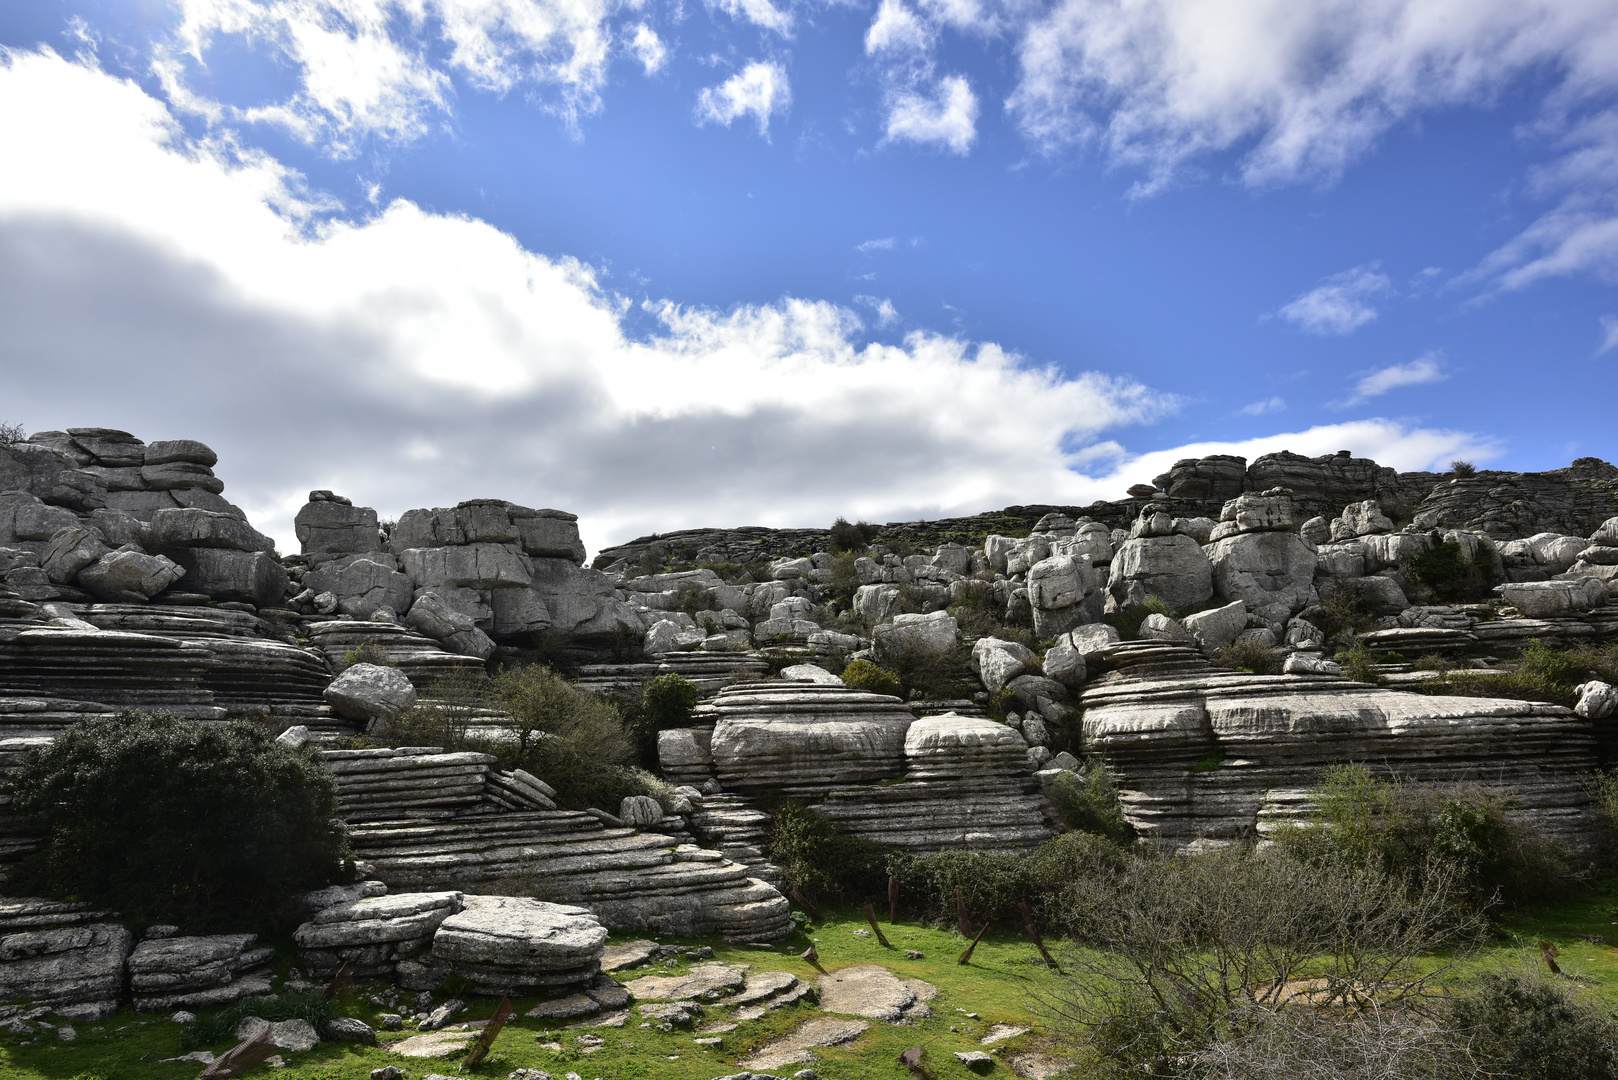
(374, 933)
(510, 946)
(53, 953)
(1203, 755)
(109, 667)
(968, 784)
(418, 782)
(806, 738)
(418, 657)
(197, 972)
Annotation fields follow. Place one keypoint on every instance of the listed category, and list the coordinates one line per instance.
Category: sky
(679, 263)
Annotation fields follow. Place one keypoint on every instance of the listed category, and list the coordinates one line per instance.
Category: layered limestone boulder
(1204, 756)
(968, 783)
(1172, 568)
(372, 934)
(331, 524)
(511, 945)
(167, 973)
(804, 738)
(1271, 573)
(76, 964)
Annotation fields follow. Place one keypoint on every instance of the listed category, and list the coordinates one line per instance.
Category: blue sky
(753, 261)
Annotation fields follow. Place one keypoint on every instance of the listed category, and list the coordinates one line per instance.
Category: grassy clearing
(995, 986)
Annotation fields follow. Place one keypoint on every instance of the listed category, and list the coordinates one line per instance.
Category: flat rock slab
(515, 931)
(671, 1014)
(869, 990)
(564, 1008)
(764, 984)
(705, 981)
(434, 1044)
(794, 1048)
(627, 954)
(287, 1035)
(1001, 1032)
(1038, 1066)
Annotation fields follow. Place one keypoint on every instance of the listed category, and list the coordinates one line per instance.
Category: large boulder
(540, 534)
(996, 662)
(1171, 568)
(1273, 573)
(68, 551)
(24, 518)
(1217, 627)
(510, 945)
(1555, 599)
(1252, 512)
(183, 527)
(250, 577)
(469, 566)
(876, 602)
(361, 583)
(1057, 587)
(438, 618)
(71, 964)
(1360, 519)
(370, 692)
(331, 524)
(129, 576)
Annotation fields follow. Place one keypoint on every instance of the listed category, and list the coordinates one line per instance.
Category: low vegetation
(1540, 673)
(205, 825)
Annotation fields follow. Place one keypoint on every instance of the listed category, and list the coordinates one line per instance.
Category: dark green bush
(1346, 606)
(1413, 830)
(864, 675)
(1127, 621)
(208, 825)
(1088, 802)
(850, 537)
(1250, 656)
(991, 882)
(1445, 572)
(367, 652)
(1521, 1026)
(825, 862)
(667, 701)
(1462, 468)
(1540, 673)
(844, 581)
(311, 1005)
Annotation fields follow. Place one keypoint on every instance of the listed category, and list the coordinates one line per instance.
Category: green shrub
(935, 676)
(367, 652)
(817, 857)
(847, 537)
(1088, 802)
(844, 581)
(1251, 656)
(11, 434)
(1127, 621)
(1540, 673)
(1462, 468)
(864, 675)
(667, 701)
(1346, 606)
(991, 882)
(1522, 1026)
(207, 825)
(1445, 572)
(311, 1005)
(1414, 830)
(1053, 869)
(1357, 663)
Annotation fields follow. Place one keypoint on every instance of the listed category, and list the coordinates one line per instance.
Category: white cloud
(886, 313)
(760, 13)
(1298, 87)
(370, 68)
(760, 89)
(192, 293)
(882, 244)
(948, 120)
(896, 28)
(1261, 408)
(1423, 370)
(1341, 304)
(648, 48)
(1609, 330)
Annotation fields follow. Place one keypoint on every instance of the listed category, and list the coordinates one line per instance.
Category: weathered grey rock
(242, 576)
(510, 945)
(874, 603)
(195, 972)
(183, 527)
(372, 934)
(801, 738)
(67, 552)
(1554, 599)
(640, 811)
(1158, 627)
(1317, 531)
(867, 990)
(1597, 700)
(931, 635)
(362, 583)
(326, 525)
(127, 574)
(72, 964)
(24, 518)
(1305, 664)
(347, 1029)
(810, 673)
(1272, 573)
(437, 617)
(188, 451)
(1360, 519)
(298, 1036)
(1172, 568)
(371, 691)
(1091, 640)
(472, 566)
(1217, 627)
(1251, 512)
(706, 981)
(997, 661)
(1057, 589)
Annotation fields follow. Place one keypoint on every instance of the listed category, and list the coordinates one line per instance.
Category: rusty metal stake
(966, 956)
(870, 913)
(1033, 932)
(960, 915)
(798, 898)
(238, 1059)
(893, 900)
(480, 1049)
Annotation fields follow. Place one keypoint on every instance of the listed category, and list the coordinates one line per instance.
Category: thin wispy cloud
(947, 118)
(1263, 408)
(1419, 372)
(884, 243)
(1609, 332)
(759, 90)
(886, 314)
(648, 48)
(1341, 304)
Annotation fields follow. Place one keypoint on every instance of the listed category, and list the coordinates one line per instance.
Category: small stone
(912, 954)
(66, 1034)
(443, 1014)
(349, 1030)
(976, 1060)
(387, 1072)
(183, 1017)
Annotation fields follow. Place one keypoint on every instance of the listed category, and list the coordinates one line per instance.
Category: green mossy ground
(999, 986)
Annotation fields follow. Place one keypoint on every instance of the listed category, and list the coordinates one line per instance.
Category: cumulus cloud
(884, 243)
(1263, 408)
(760, 89)
(886, 313)
(1418, 372)
(897, 29)
(411, 358)
(648, 48)
(383, 67)
(1299, 88)
(947, 119)
(760, 13)
(1341, 304)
